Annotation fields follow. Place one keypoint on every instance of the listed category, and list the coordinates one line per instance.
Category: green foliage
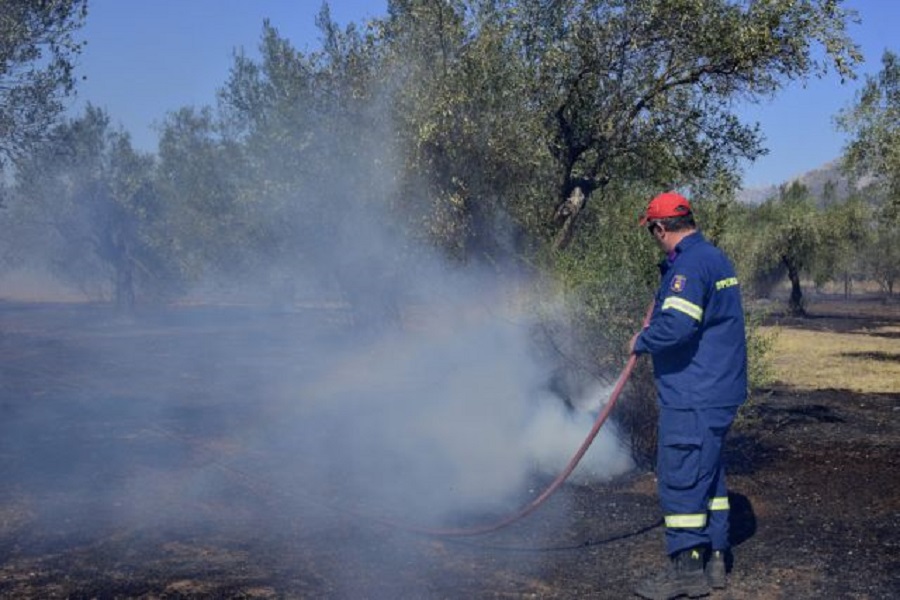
(760, 360)
(200, 175)
(466, 129)
(37, 57)
(608, 275)
(873, 154)
(881, 259)
(760, 368)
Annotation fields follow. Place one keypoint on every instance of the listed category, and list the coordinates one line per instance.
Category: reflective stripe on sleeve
(726, 283)
(719, 503)
(686, 521)
(682, 305)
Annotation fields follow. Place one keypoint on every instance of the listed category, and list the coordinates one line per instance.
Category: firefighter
(697, 342)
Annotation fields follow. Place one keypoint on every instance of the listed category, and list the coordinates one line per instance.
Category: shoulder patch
(678, 282)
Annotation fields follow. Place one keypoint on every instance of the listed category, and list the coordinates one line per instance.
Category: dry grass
(867, 362)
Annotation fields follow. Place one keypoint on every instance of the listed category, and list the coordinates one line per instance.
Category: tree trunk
(575, 191)
(124, 290)
(124, 281)
(566, 214)
(795, 304)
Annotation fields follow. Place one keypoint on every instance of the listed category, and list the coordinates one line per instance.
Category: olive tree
(84, 200)
(320, 170)
(782, 237)
(474, 160)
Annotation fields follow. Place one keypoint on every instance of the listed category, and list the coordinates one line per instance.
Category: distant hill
(815, 180)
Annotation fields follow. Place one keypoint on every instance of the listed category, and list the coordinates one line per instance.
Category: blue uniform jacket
(696, 333)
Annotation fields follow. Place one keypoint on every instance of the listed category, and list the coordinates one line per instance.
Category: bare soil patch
(110, 490)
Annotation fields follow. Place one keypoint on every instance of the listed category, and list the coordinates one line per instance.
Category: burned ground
(113, 488)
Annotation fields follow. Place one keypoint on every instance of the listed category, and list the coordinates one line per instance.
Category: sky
(146, 58)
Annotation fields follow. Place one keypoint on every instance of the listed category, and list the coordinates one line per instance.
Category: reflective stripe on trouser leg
(718, 522)
(695, 521)
(719, 503)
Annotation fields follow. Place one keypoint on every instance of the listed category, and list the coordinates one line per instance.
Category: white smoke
(453, 417)
(556, 432)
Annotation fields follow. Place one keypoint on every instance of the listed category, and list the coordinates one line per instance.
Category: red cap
(670, 204)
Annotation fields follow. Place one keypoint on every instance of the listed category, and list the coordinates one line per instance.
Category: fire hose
(554, 485)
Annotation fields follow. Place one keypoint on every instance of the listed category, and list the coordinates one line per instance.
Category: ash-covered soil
(114, 486)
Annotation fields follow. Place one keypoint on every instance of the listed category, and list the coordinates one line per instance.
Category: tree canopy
(487, 129)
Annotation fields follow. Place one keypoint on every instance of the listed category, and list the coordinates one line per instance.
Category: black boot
(683, 577)
(715, 569)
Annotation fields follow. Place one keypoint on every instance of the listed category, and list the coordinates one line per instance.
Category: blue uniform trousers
(691, 476)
